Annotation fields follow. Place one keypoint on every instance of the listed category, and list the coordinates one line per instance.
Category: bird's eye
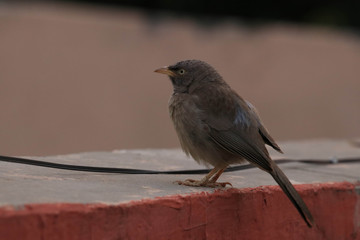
(181, 71)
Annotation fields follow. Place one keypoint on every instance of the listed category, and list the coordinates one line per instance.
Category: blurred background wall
(78, 75)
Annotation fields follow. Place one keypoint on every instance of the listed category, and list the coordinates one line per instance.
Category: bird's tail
(292, 194)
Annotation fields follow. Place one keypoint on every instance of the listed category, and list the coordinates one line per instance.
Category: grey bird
(218, 127)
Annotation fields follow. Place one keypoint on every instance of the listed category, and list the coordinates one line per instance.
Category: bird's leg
(216, 177)
(208, 181)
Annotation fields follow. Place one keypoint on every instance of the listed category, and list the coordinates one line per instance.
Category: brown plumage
(217, 127)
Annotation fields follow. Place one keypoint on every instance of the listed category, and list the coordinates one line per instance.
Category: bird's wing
(242, 146)
(235, 126)
(262, 129)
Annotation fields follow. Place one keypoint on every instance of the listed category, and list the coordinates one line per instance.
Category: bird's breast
(185, 115)
(191, 130)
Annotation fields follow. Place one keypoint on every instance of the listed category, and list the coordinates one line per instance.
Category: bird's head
(189, 74)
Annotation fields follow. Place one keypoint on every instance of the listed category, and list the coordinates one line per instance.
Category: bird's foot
(197, 183)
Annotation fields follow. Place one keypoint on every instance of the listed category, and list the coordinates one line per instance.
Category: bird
(217, 127)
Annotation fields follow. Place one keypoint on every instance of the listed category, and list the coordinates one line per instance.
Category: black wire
(142, 171)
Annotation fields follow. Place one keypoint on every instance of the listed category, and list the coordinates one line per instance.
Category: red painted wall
(252, 213)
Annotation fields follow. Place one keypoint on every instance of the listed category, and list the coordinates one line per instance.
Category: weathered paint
(251, 213)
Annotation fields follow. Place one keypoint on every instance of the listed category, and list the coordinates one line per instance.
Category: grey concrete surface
(21, 184)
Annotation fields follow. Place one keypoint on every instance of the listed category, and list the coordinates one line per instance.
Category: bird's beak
(165, 70)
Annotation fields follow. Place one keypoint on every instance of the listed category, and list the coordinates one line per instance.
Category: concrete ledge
(251, 213)
(41, 203)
